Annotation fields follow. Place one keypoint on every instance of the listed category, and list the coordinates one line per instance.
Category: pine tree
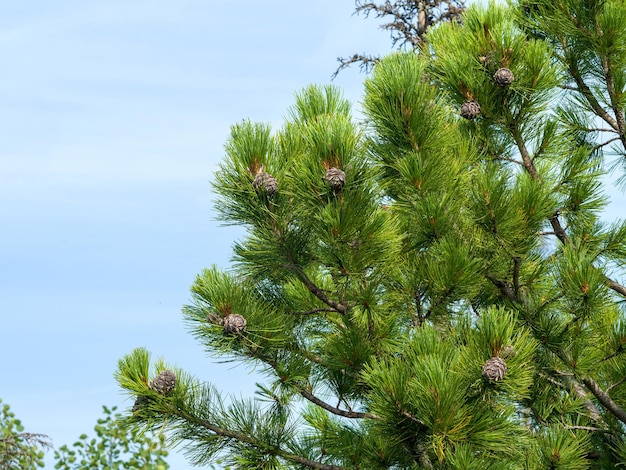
(437, 288)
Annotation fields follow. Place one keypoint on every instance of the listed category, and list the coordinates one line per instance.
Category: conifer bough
(461, 306)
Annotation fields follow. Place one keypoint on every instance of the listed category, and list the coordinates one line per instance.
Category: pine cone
(140, 402)
(263, 181)
(494, 369)
(470, 109)
(336, 178)
(503, 77)
(485, 60)
(214, 318)
(164, 383)
(234, 324)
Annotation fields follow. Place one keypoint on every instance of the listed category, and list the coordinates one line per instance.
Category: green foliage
(115, 446)
(18, 449)
(424, 290)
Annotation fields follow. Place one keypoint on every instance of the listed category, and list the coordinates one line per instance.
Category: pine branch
(516, 270)
(611, 356)
(440, 300)
(579, 392)
(616, 384)
(406, 115)
(317, 401)
(339, 307)
(309, 284)
(572, 62)
(584, 90)
(577, 389)
(409, 21)
(610, 85)
(599, 146)
(317, 292)
(552, 380)
(554, 219)
(527, 161)
(505, 288)
(605, 399)
(508, 159)
(616, 286)
(412, 34)
(594, 388)
(587, 428)
(336, 411)
(240, 437)
(421, 317)
(422, 455)
(308, 355)
(406, 414)
(558, 229)
(312, 312)
(599, 129)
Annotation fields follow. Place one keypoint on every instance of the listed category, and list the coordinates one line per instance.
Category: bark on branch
(555, 222)
(504, 288)
(336, 411)
(263, 446)
(604, 399)
(319, 293)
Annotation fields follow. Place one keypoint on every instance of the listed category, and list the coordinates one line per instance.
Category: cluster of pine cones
(471, 108)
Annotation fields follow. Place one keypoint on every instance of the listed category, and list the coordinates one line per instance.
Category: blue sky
(114, 116)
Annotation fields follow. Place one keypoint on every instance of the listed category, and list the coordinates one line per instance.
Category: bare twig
(616, 384)
(408, 22)
(599, 146)
(366, 63)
